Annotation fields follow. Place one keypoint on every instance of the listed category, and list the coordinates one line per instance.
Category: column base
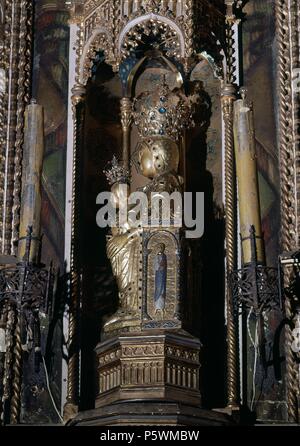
(70, 412)
(151, 413)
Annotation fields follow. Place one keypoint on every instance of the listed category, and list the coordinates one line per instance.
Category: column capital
(78, 94)
(228, 91)
(126, 113)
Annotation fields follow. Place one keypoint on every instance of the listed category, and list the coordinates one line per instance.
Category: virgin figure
(160, 268)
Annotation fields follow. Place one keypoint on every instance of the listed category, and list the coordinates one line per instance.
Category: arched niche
(102, 137)
(151, 73)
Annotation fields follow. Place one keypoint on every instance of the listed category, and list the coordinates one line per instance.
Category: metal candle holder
(255, 286)
(25, 289)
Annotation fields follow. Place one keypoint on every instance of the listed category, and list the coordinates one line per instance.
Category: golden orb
(157, 155)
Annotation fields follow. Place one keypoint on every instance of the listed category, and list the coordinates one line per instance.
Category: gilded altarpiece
(170, 69)
(158, 324)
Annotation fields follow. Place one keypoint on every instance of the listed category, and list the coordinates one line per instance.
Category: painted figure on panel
(160, 268)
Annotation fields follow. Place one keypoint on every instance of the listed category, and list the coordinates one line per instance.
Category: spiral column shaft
(228, 98)
(9, 343)
(71, 406)
(286, 61)
(15, 405)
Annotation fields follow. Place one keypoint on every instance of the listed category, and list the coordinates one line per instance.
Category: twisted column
(23, 83)
(4, 63)
(291, 365)
(285, 56)
(9, 343)
(228, 98)
(16, 66)
(20, 117)
(13, 33)
(3, 323)
(15, 405)
(126, 121)
(71, 406)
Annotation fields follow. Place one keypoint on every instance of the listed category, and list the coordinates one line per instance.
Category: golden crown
(163, 112)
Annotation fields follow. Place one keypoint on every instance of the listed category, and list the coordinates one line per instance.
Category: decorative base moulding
(150, 413)
(150, 378)
(149, 365)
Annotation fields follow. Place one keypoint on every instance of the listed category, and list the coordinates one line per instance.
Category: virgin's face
(147, 163)
(158, 156)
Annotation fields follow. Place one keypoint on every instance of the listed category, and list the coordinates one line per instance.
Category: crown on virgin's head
(163, 112)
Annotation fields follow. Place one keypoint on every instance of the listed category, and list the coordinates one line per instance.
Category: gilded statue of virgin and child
(160, 117)
(123, 245)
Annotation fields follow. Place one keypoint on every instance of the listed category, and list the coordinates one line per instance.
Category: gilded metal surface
(4, 64)
(169, 40)
(126, 121)
(122, 250)
(288, 59)
(30, 213)
(291, 307)
(9, 341)
(155, 156)
(71, 406)
(247, 176)
(15, 66)
(117, 27)
(15, 72)
(158, 157)
(149, 365)
(164, 112)
(13, 36)
(15, 404)
(228, 98)
(152, 240)
(24, 73)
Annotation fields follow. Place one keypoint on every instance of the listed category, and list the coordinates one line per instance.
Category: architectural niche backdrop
(143, 325)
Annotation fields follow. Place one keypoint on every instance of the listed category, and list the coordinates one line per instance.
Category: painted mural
(259, 76)
(50, 87)
(264, 384)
